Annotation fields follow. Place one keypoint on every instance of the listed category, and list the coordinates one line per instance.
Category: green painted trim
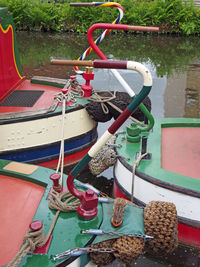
(153, 167)
(81, 165)
(140, 97)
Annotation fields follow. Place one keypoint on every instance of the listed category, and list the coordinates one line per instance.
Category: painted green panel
(133, 222)
(153, 167)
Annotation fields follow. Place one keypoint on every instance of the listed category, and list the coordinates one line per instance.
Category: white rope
(136, 164)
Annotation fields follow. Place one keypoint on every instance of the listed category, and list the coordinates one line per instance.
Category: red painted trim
(43, 249)
(13, 88)
(119, 121)
(180, 148)
(187, 235)
(117, 193)
(14, 227)
(109, 26)
(68, 160)
(8, 67)
(105, 64)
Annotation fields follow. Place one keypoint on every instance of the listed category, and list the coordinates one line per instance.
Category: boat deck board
(181, 150)
(45, 100)
(19, 200)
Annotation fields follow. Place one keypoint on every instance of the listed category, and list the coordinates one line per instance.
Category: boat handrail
(89, 201)
(105, 33)
(102, 56)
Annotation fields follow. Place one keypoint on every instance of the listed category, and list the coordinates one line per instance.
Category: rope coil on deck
(56, 202)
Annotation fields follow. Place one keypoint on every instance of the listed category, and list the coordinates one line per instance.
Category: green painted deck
(154, 166)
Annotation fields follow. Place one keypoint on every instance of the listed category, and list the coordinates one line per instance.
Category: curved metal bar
(130, 65)
(102, 56)
(102, 36)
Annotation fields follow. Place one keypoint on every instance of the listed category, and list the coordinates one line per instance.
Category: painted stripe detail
(43, 153)
(81, 165)
(13, 49)
(100, 143)
(119, 121)
(132, 65)
(105, 64)
(103, 35)
(139, 98)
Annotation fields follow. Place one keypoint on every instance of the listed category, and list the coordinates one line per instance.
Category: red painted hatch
(18, 203)
(180, 150)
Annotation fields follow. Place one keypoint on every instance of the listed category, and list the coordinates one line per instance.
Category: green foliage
(172, 16)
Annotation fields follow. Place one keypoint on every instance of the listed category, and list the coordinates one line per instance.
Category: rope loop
(32, 240)
(56, 202)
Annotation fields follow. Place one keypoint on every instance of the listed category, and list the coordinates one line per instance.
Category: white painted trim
(187, 206)
(123, 82)
(132, 65)
(99, 144)
(44, 131)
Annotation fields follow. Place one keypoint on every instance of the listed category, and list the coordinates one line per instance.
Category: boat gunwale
(181, 219)
(166, 182)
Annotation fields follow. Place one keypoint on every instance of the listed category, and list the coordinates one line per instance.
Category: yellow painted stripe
(13, 50)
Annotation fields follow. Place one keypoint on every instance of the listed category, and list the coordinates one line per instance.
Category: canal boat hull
(32, 119)
(170, 172)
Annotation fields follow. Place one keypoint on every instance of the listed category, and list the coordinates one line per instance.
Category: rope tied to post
(32, 240)
(56, 202)
(36, 239)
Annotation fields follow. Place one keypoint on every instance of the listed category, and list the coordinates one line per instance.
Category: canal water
(174, 63)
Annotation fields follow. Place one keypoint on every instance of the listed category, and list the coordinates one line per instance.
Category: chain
(80, 251)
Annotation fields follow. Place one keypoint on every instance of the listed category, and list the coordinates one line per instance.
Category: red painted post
(55, 177)
(88, 75)
(88, 206)
(36, 225)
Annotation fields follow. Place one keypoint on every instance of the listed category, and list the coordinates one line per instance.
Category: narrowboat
(67, 222)
(159, 160)
(39, 114)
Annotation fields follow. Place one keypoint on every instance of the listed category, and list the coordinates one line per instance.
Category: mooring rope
(56, 202)
(32, 240)
(74, 89)
(136, 164)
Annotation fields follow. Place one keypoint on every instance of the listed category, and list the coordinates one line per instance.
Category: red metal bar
(123, 27)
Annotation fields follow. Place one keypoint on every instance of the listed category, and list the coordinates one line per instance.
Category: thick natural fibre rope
(36, 239)
(105, 99)
(56, 202)
(135, 165)
(32, 240)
